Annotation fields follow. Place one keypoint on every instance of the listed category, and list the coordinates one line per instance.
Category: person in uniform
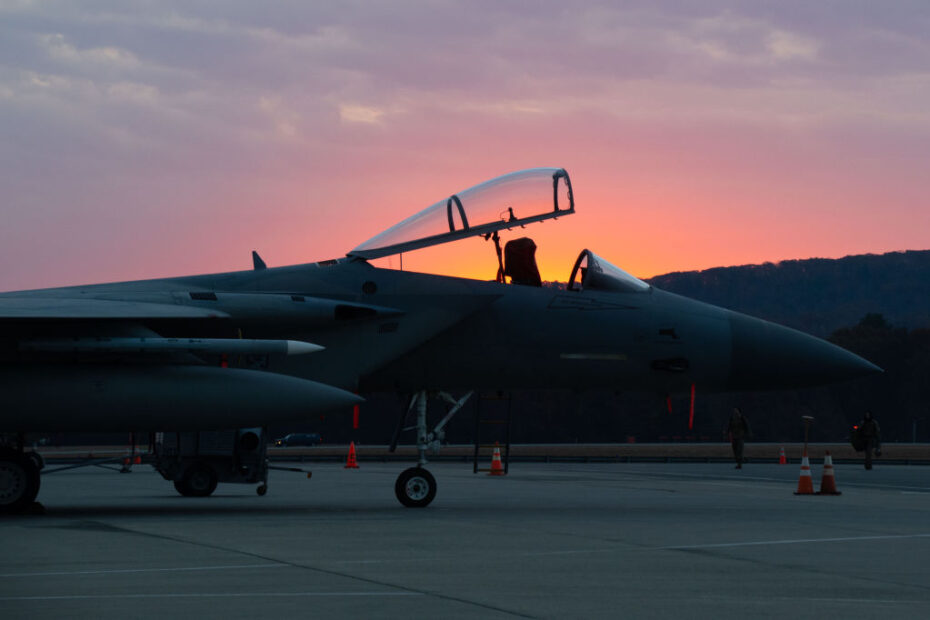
(871, 438)
(738, 432)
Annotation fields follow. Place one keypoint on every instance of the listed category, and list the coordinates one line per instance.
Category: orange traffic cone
(351, 462)
(828, 482)
(805, 484)
(781, 456)
(497, 468)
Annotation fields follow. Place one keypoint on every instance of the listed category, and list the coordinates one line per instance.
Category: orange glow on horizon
(639, 224)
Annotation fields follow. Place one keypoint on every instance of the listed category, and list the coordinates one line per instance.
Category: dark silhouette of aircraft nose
(766, 356)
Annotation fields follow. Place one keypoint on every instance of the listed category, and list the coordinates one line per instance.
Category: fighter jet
(279, 345)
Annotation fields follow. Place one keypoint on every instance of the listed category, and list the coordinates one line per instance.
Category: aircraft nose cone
(766, 356)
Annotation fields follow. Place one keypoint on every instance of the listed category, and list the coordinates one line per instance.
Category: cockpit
(506, 203)
(593, 273)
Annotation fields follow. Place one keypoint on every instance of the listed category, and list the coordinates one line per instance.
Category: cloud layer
(145, 139)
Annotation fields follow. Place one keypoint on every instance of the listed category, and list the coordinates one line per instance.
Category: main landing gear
(19, 478)
(416, 487)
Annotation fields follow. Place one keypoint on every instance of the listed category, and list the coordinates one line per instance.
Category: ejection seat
(520, 262)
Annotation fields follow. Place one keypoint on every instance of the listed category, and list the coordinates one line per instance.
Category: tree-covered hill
(817, 295)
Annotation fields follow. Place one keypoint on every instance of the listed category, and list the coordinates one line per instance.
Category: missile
(232, 346)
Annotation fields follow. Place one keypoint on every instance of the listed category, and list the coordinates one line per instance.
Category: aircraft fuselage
(426, 332)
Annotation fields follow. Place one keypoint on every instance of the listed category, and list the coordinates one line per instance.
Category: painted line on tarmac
(813, 599)
(796, 541)
(527, 554)
(203, 595)
(534, 554)
(119, 571)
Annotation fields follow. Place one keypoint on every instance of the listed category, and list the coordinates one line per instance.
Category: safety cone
(828, 482)
(351, 462)
(781, 456)
(497, 468)
(137, 460)
(805, 484)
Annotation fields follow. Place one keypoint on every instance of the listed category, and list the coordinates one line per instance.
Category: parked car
(298, 439)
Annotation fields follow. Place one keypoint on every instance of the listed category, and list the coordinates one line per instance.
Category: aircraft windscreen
(593, 273)
(511, 200)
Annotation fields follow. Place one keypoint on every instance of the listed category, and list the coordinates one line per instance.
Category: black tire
(19, 481)
(180, 487)
(198, 481)
(415, 487)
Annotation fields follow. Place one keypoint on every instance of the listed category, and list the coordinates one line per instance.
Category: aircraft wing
(277, 307)
(65, 308)
(70, 363)
(53, 325)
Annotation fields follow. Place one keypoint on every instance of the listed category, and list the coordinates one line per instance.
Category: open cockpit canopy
(515, 199)
(593, 273)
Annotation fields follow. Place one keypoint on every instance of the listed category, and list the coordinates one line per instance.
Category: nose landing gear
(416, 487)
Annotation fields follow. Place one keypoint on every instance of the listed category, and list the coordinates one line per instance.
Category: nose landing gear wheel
(415, 487)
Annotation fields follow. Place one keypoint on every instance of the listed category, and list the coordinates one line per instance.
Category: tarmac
(707, 452)
(549, 540)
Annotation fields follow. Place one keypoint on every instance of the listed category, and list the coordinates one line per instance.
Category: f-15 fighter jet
(279, 345)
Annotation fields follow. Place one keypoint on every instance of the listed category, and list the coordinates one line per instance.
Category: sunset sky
(149, 139)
